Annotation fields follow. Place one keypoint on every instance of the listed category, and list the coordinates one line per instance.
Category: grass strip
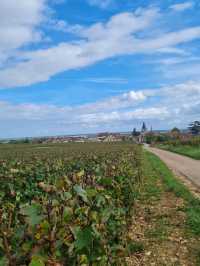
(192, 204)
(189, 151)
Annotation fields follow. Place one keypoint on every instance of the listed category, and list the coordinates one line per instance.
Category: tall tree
(135, 133)
(194, 127)
(175, 132)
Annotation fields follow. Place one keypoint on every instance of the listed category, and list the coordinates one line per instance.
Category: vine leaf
(32, 213)
(37, 261)
(84, 238)
(67, 214)
(3, 261)
(81, 192)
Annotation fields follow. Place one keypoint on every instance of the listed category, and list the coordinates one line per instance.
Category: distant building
(112, 138)
(143, 133)
(144, 128)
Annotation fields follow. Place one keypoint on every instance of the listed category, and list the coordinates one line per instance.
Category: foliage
(190, 151)
(194, 127)
(151, 138)
(189, 147)
(135, 133)
(191, 141)
(175, 130)
(67, 204)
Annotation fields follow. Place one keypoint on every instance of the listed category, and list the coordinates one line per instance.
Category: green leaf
(45, 226)
(75, 230)
(67, 214)
(2, 194)
(3, 261)
(106, 181)
(55, 203)
(91, 192)
(84, 238)
(67, 195)
(32, 212)
(37, 261)
(81, 192)
(1, 243)
(26, 246)
(106, 214)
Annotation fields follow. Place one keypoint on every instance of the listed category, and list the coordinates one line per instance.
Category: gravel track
(181, 165)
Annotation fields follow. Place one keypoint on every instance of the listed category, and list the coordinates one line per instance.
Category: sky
(85, 66)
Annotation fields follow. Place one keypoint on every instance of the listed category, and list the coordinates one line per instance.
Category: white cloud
(177, 61)
(19, 22)
(182, 6)
(98, 42)
(113, 40)
(180, 69)
(178, 105)
(107, 80)
(63, 26)
(38, 112)
(125, 100)
(121, 25)
(173, 50)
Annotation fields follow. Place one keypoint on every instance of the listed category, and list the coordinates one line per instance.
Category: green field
(187, 150)
(93, 204)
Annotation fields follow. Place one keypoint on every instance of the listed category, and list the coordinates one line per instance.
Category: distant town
(99, 137)
(144, 135)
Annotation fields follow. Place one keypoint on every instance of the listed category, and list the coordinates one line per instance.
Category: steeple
(144, 128)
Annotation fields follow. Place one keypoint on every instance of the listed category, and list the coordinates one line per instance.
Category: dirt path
(181, 165)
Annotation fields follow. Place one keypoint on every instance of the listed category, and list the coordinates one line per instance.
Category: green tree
(175, 130)
(194, 127)
(135, 133)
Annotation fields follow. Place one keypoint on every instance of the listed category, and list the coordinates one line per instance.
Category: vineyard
(189, 147)
(192, 141)
(67, 204)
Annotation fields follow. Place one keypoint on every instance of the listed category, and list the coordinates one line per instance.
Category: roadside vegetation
(93, 204)
(184, 143)
(166, 220)
(190, 151)
(189, 147)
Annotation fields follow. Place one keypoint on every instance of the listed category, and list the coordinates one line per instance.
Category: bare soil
(159, 223)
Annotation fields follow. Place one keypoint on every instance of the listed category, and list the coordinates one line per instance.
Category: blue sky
(80, 66)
